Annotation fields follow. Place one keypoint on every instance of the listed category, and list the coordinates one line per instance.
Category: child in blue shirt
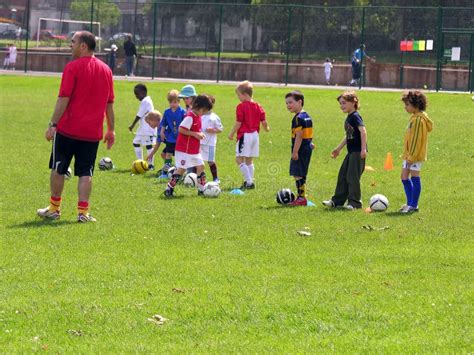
(169, 126)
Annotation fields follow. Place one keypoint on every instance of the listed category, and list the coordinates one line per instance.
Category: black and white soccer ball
(378, 203)
(212, 189)
(191, 180)
(285, 196)
(106, 164)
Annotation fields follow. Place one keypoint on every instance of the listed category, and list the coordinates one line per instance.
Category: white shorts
(144, 140)
(208, 152)
(185, 160)
(247, 145)
(416, 166)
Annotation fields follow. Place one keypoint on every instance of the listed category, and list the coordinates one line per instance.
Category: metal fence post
(92, 15)
(154, 42)
(220, 44)
(288, 46)
(301, 36)
(134, 19)
(27, 34)
(401, 69)
(362, 40)
(439, 38)
(471, 72)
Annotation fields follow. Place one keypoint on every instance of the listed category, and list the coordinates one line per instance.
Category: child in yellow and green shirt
(415, 148)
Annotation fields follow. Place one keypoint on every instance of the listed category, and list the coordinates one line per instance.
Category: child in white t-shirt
(327, 70)
(211, 127)
(146, 135)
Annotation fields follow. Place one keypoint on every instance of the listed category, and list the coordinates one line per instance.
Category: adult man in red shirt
(76, 128)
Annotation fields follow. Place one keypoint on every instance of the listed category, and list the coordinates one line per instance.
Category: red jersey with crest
(250, 114)
(189, 144)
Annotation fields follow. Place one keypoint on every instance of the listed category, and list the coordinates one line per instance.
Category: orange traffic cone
(388, 165)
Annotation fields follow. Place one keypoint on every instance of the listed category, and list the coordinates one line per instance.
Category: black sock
(301, 187)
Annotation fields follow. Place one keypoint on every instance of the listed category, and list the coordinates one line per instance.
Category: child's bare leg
(213, 167)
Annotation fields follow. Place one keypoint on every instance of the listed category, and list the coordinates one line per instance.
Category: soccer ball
(139, 166)
(191, 180)
(106, 164)
(378, 203)
(211, 189)
(68, 175)
(285, 196)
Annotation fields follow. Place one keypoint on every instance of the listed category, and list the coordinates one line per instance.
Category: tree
(105, 12)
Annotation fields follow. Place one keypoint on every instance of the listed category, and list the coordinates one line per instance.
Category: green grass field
(232, 274)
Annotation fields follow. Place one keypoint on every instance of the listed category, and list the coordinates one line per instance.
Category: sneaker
(246, 186)
(151, 167)
(300, 201)
(46, 213)
(217, 181)
(403, 207)
(85, 218)
(408, 209)
(329, 203)
(168, 192)
(348, 207)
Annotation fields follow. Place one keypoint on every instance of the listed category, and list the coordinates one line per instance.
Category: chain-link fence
(424, 47)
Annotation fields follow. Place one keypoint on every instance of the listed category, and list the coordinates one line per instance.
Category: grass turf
(232, 274)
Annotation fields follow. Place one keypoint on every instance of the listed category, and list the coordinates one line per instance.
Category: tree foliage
(104, 11)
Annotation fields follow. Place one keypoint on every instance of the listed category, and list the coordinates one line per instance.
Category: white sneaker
(46, 213)
(85, 218)
(348, 207)
(329, 203)
(403, 207)
(408, 209)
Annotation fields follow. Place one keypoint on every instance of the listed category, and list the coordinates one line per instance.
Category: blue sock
(408, 190)
(416, 181)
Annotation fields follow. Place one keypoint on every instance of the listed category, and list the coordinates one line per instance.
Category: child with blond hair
(249, 116)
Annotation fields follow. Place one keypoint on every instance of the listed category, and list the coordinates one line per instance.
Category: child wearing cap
(188, 94)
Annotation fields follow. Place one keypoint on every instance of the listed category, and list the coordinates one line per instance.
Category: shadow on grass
(398, 214)
(41, 223)
(122, 171)
(171, 198)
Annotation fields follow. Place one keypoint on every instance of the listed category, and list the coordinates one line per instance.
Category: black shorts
(170, 148)
(64, 149)
(300, 167)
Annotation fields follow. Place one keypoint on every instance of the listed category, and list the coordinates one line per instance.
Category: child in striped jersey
(415, 146)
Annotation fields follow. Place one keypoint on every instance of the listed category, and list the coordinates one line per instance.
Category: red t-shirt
(250, 114)
(88, 83)
(188, 144)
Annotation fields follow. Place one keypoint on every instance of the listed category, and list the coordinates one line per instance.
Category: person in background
(130, 55)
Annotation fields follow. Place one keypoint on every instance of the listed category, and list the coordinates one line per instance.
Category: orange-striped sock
(83, 207)
(54, 203)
